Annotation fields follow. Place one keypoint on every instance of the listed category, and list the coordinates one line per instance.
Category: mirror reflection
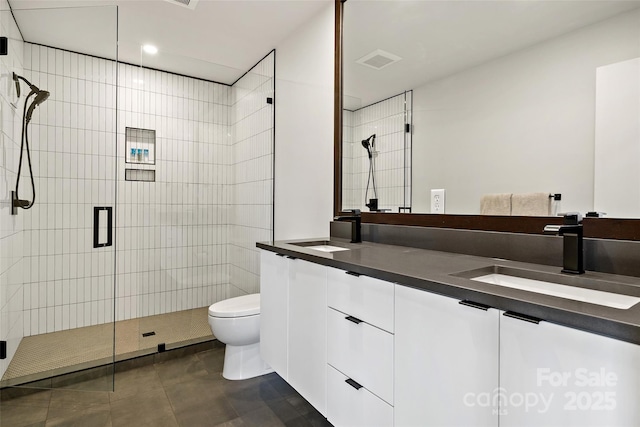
(478, 103)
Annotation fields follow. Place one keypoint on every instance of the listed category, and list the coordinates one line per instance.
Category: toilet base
(244, 362)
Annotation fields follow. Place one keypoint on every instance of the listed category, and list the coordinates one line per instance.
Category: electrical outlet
(437, 201)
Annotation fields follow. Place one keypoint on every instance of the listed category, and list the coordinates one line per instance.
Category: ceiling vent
(378, 59)
(190, 4)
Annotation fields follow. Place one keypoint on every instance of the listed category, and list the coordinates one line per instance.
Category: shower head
(41, 96)
(369, 145)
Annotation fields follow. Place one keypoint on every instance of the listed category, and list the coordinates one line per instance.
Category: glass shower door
(58, 256)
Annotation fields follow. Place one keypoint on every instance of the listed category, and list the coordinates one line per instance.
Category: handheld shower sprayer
(40, 97)
(369, 144)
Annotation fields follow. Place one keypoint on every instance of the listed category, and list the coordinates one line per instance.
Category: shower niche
(140, 151)
(140, 146)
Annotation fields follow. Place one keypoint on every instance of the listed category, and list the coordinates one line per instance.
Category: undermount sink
(577, 288)
(327, 248)
(321, 245)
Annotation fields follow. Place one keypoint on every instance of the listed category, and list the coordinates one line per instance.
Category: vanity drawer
(363, 297)
(348, 406)
(362, 351)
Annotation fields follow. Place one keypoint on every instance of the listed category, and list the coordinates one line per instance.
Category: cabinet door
(308, 331)
(274, 289)
(446, 361)
(551, 375)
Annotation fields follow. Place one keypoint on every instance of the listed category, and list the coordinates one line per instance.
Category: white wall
(11, 227)
(617, 167)
(304, 130)
(521, 123)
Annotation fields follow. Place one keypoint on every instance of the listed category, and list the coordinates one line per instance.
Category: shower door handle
(101, 241)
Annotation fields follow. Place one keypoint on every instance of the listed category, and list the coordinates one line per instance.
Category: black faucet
(356, 225)
(573, 253)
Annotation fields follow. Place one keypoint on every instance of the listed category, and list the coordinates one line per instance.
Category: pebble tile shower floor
(185, 391)
(57, 353)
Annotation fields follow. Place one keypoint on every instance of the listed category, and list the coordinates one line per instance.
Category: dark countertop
(439, 272)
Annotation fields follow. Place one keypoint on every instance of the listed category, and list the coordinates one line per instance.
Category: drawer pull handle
(291, 257)
(280, 255)
(353, 319)
(353, 384)
(353, 273)
(475, 305)
(522, 317)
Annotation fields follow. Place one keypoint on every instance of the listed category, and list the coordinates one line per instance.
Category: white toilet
(236, 322)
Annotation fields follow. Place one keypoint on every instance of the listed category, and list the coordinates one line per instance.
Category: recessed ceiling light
(150, 49)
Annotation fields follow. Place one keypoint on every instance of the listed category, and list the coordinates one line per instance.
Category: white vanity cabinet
(551, 375)
(446, 360)
(293, 322)
(307, 332)
(360, 346)
(274, 301)
(365, 352)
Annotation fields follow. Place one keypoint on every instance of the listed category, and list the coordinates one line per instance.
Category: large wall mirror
(490, 97)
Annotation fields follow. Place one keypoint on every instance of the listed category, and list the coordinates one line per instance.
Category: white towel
(495, 204)
(531, 204)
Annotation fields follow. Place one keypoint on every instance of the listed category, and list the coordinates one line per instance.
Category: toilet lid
(246, 305)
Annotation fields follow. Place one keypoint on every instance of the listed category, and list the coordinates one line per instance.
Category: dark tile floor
(186, 391)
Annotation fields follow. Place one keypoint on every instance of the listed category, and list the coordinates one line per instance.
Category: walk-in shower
(122, 254)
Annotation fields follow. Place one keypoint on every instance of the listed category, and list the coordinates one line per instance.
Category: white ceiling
(218, 40)
(439, 38)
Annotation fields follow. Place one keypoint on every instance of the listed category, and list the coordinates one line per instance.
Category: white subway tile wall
(386, 119)
(68, 283)
(252, 182)
(172, 234)
(11, 227)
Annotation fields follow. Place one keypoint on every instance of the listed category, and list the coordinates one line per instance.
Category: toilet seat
(246, 305)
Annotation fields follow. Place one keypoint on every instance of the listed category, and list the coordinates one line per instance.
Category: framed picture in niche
(140, 146)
